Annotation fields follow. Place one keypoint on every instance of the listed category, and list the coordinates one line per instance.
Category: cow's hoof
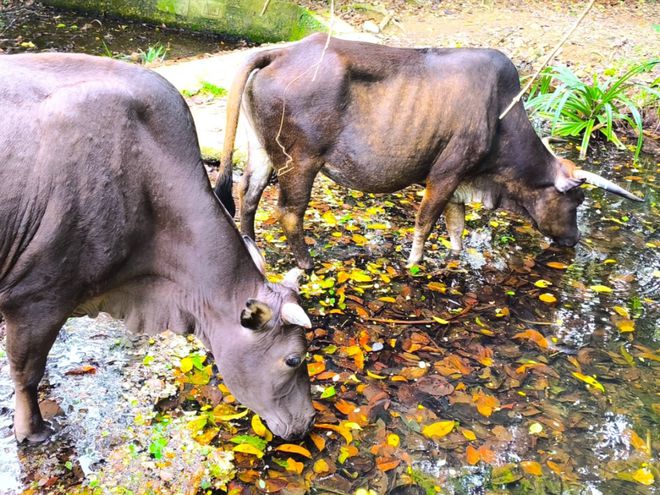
(35, 437)
(306, 265)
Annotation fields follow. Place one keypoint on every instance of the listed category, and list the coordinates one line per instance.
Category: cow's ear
(565, 178)
(255, 315)
(292, 278)
(255, 254)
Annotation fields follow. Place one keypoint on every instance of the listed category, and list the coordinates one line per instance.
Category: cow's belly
(369, 171)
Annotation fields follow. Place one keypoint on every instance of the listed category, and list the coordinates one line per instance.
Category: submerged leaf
(589, 380)
(438, 429)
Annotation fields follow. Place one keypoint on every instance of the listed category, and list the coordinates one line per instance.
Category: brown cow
(378, 119)
(105, 206)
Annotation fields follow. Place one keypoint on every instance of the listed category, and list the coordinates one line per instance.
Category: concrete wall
(283, 19)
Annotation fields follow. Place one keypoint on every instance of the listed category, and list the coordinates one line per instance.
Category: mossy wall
(283, 20)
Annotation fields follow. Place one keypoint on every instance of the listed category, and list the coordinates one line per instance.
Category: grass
(584, 109)
(206, 88)
(154, 53)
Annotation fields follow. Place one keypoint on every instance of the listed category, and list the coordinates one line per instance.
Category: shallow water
(43, 28)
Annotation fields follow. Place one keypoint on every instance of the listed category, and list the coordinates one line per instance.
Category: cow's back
(88, 145)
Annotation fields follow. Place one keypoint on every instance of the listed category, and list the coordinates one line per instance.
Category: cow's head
(264, 364)
(553, 206)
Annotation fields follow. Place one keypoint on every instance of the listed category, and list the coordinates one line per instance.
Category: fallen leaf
(643, 476)
(557, 265)
(438, 429)
(532, 467)
(589, 380)
(533, 336)
(321, 467)
(546, 297)
(294, 449)
(600, 288)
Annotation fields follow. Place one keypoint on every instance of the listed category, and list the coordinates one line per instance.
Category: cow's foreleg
(252, 185)
(29, 338)
(455, 219)
(295, 191)
(436, 197)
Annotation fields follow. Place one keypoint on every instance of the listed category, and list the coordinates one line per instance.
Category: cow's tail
(224, 183)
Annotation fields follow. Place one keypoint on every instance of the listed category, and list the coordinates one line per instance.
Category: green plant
(154, 53)
(206, 88)
(576, 108)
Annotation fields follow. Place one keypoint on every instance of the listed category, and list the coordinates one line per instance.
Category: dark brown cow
(105, 206)
(379, 119)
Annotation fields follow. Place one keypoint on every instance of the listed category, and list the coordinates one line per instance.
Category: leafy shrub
(579, 109)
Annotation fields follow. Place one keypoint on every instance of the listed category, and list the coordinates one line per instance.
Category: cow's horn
(598, 181)
(291, 278)
(293, 314)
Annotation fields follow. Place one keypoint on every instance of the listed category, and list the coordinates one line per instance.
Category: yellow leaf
(437, 286)
(535, 428)
(625, 325)
(360, 240)
(186, 364)
(469, 434)
(546, 297)
(556, 265)
(330, 218)
(343, 277)
(247, 448)
(438, 429)
(600, 288)
(532, 467)
(387, 299)
(442, 321)
(621, 311)
(543, 283)
(373, 375)
(377, 226)
(643, 476)
(294, 449)
(260, 429)
(360, 276)
(321, 467)
(393, 440)
(589, 380)
(218, 415)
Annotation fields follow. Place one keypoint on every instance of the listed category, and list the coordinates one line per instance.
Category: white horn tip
(293, 314)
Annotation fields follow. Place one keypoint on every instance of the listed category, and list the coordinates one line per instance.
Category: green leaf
(328, 392)
(257, 442)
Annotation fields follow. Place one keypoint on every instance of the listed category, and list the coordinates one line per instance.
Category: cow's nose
(567, 241)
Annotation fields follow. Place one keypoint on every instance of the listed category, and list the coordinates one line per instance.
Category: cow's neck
(193, 276)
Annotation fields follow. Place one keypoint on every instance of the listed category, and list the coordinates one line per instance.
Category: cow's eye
(293, 361)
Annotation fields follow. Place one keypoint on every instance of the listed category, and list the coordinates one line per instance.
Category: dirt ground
(614, 33)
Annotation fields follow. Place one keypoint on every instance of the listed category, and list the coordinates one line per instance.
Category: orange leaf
(557, 265)
(319, 441)
(472, 455)
(486, 454)
(532, 467)
(321, 466)
(533, 336)
(637, 442)
(386, 463)
(345, 407)
(485, 403)
(339, 429)
(556, 468)
(294, 466)
(315, 368)
(294, 449)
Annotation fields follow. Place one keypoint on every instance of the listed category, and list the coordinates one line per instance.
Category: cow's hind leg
(254, 181)
(295, 191)
(455, 220)
(29, 339)
(443, 179)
